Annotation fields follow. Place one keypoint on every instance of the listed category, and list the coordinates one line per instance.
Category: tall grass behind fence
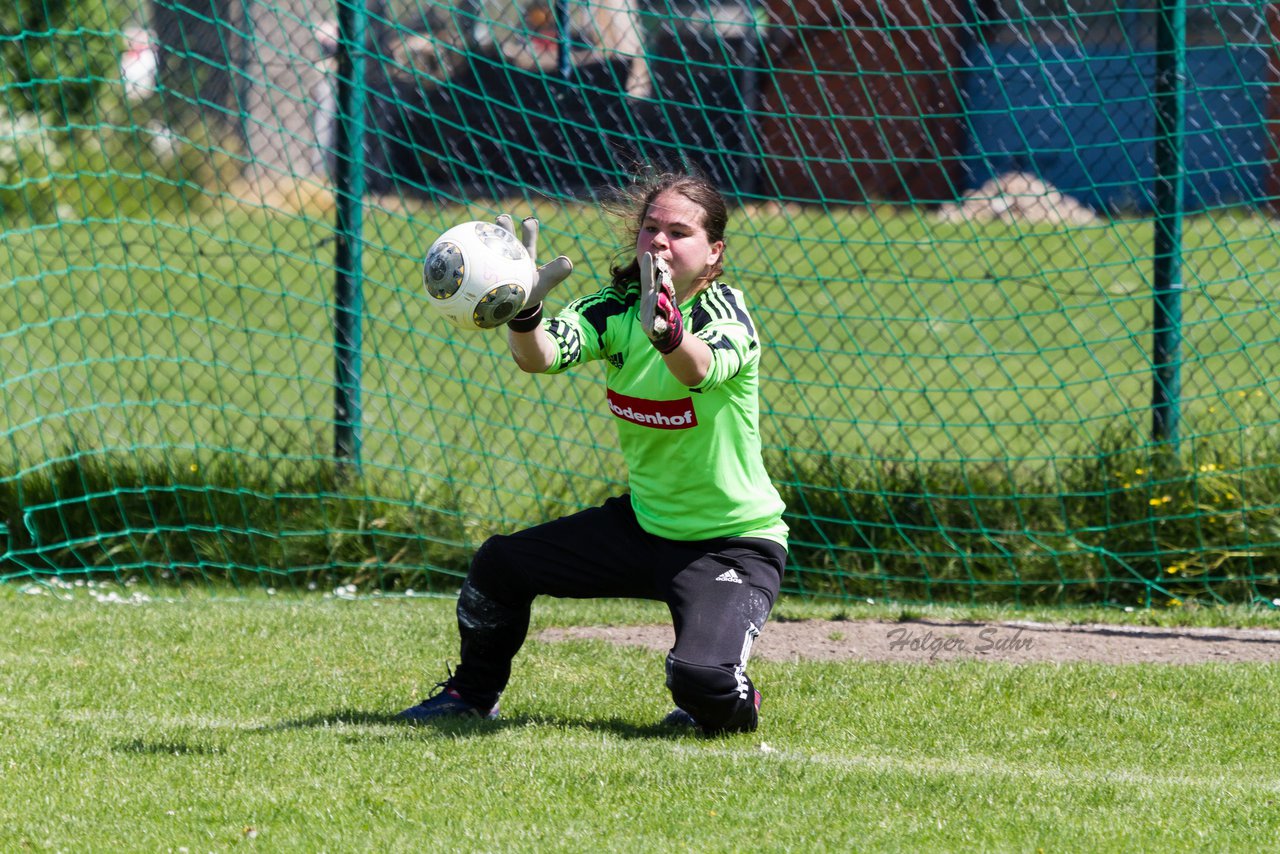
(1013, 264)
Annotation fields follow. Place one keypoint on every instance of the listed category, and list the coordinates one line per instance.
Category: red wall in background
(866, 110)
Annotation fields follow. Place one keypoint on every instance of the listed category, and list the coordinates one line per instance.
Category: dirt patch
(925, 641)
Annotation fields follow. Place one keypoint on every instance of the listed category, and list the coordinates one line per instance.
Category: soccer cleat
(678, 717)
(445, 703)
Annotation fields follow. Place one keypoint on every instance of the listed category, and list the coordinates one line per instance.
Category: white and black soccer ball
(478, 275)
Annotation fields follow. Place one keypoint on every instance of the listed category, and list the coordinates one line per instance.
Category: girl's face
(672, 230)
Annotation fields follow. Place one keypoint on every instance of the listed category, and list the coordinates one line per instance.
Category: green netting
(1013, 263)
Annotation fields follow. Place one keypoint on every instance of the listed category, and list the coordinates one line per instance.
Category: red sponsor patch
(660, 414)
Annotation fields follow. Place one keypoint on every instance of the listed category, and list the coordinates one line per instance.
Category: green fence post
(348, 182)
(1170, 102)
(564, 39)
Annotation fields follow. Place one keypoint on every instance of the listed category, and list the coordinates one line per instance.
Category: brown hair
(632, 203)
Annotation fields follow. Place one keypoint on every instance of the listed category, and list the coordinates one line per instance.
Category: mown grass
(266, 722)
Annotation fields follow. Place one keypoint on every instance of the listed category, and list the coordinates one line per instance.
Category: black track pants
(719, 593)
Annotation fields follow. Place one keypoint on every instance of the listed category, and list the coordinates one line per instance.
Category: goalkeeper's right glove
(545, 278)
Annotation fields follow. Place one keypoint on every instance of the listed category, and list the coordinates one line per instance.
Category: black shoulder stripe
(599, 307)
(723, 304)
(700, 316)
(708, 308)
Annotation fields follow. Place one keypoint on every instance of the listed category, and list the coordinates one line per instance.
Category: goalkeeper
(701, 527)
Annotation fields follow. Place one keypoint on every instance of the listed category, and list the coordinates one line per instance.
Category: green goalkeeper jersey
(693, 454)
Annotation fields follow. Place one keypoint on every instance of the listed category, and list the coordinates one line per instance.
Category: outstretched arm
(533, 350)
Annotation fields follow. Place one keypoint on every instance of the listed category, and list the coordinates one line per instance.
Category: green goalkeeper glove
(545, 278)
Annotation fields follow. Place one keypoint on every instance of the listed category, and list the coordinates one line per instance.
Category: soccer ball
(478, 275)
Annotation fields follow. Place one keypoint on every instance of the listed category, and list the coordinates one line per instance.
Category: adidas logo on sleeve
(729, 575)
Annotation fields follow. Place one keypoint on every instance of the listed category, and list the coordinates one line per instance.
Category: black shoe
(446, 703)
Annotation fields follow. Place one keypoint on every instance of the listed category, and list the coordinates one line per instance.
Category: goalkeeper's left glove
(659, 312)
(545, 278)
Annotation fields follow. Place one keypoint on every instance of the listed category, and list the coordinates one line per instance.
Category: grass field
(266, 723)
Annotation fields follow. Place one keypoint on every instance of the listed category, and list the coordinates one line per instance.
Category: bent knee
(720, 698)
(492, 565)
